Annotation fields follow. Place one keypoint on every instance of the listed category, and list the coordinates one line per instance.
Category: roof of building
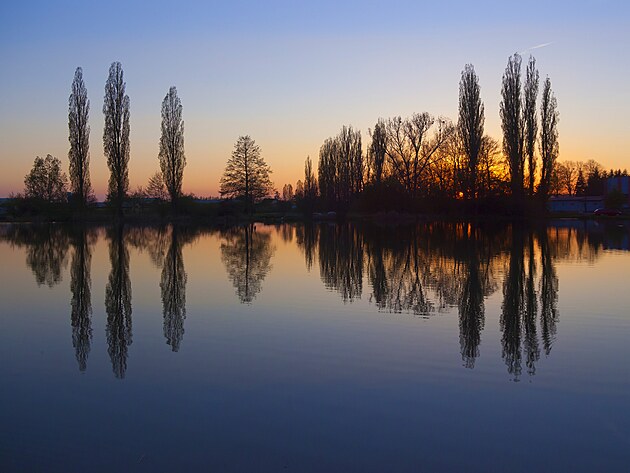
(576, 198)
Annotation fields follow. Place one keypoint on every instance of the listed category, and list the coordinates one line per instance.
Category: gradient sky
(290, 74)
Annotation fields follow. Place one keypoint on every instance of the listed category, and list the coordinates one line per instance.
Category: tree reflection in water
(155, 240)
(548, 293)
(306, 237)
(81, 289)
(118, 302)
(246, 254)
(513, 306)
(422, 269)
(531, 308)
(418, 269)
(341, 259)
(521, 300)
(471, 303)
(173, 290)
(46, 249)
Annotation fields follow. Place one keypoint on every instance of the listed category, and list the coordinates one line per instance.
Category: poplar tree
(116, 136)
(171, 156)
(470, 123)
(531, 124)
(378, 150)
(548, 138)
(79, 137)
(512, 123)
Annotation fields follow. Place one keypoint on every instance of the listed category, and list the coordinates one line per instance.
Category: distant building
(575, 204)
(3, 209)
(214, 201)
(621, 184)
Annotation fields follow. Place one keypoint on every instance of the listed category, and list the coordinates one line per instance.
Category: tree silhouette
(116, 136)
(46, 249)
(377, 273)
(378, 150)
(156, 188)
(328, 172)
(470, 124)
(490, 167)
(412, 148)
(580, 184)
(155, 240)
(81, 302)
(341, 168)
(172, 158)
(530, 91)
(548, 294)
(567, 173)
(513, 306)
(309, 192)
(118, 303)
(531, 308)
(512, 123)
(520, 304)
(173, 291)
(341, 260)
(246, 255)
(46, 181)
(287, 192)
(471, 306)
(79, 137)
(47, 254)
(548, 138)
(306, 237)
(246, 175)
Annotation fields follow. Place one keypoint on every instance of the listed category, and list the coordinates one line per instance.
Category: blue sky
(290, 74)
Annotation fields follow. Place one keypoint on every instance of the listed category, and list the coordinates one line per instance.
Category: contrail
(536, 47)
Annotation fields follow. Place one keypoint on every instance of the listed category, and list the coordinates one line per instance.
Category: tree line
(413, 163)
(246, 175)
(417, 161)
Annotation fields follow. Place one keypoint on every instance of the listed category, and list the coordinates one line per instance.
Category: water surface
(436, 347)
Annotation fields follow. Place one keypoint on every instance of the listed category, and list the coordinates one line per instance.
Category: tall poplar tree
(470, 123)
(512, 123)
(531, 123)
(171, 156)
(79, 137)
(116, 136)
(378, 150)
(548, 138)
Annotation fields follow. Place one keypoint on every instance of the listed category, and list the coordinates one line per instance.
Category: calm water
(439, 347)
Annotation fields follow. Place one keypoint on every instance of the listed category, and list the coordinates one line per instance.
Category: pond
(329, 347)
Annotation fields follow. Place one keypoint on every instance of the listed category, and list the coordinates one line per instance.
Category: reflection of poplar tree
(118, 303)
(378, 276)
(531, 337)
(520, 304)
(247, 256)
(471, 309)
(173, 290)
(341, 260)
(512, 308)
(548, 294)
(286, 232)
(306, 237)
(81, 303)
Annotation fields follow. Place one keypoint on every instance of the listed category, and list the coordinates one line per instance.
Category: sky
(290, 74)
